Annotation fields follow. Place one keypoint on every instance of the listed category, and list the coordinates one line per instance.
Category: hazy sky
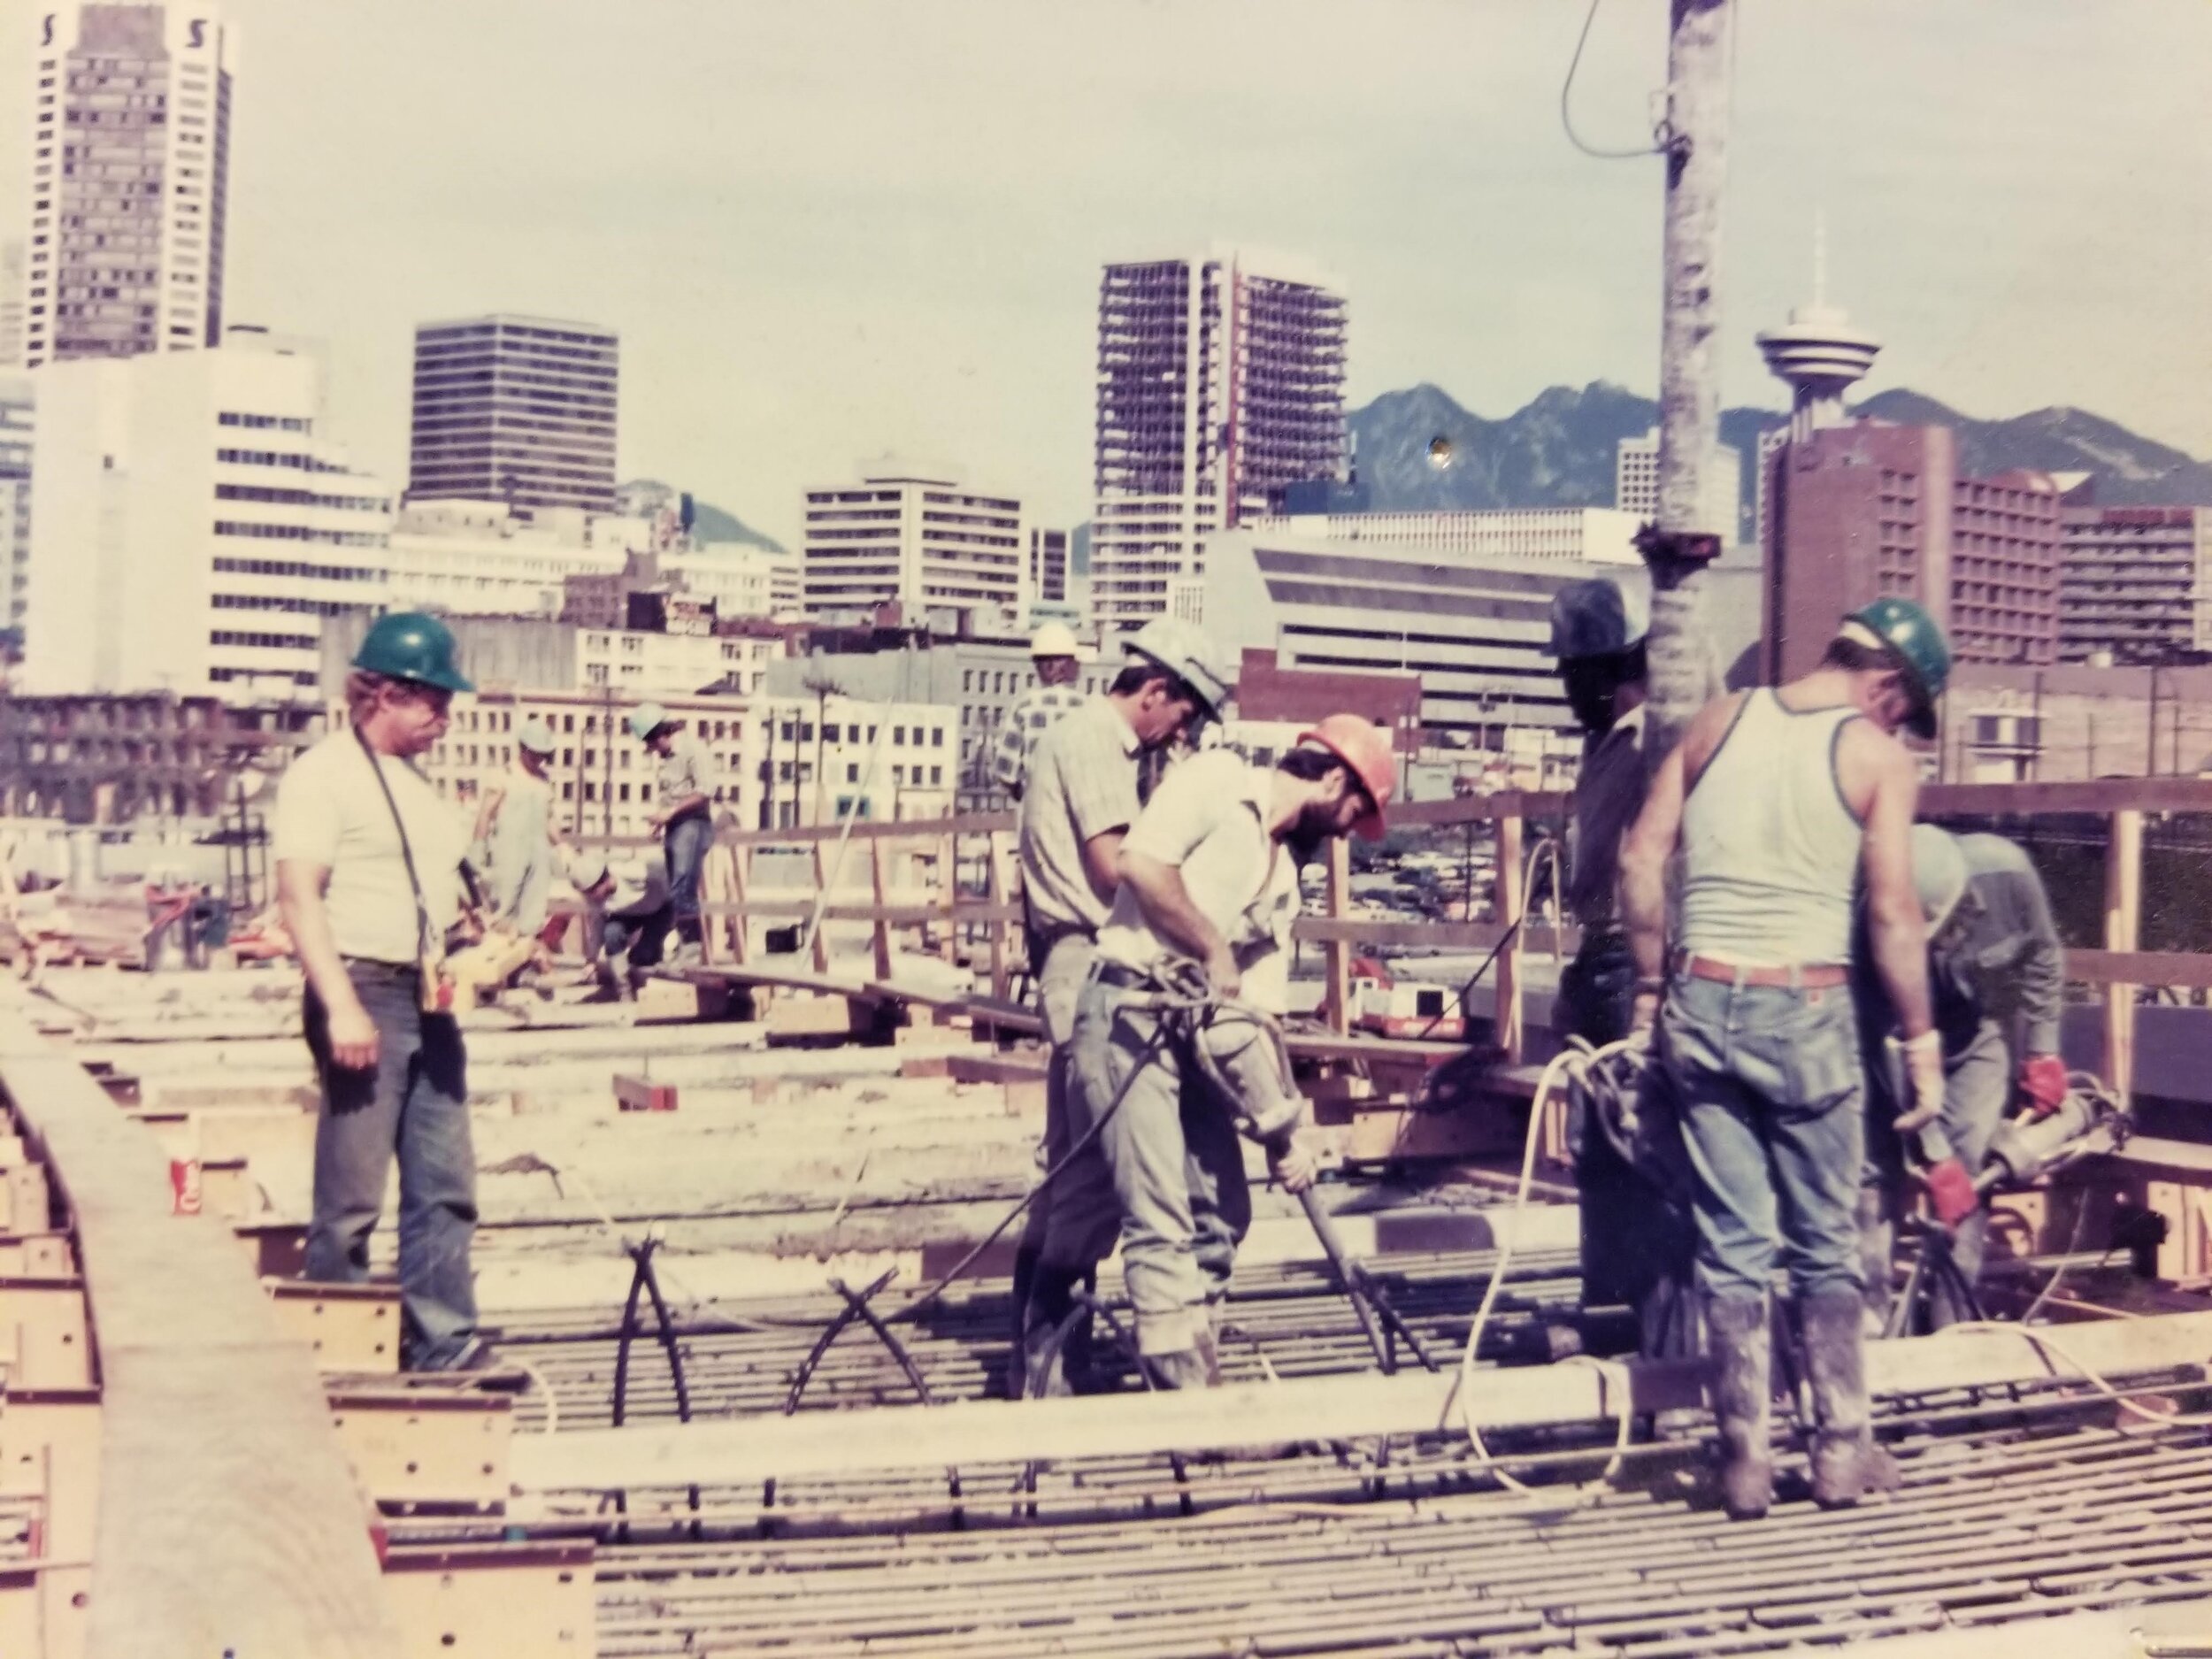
(831, 228)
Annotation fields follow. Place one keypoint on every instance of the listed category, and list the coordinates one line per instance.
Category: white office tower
(192, 531)
(1220, 384)
(1636, 484)
(18, 420)
(913, 535)
(130, 162)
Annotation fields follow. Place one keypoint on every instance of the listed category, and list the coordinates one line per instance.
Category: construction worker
(627, 916)
(369, 875)
(1082, 800)
(1783, 803)
(1057, 661)
(515, 847)
(683, 816)
(1997, 973)
(1638, 1238)
(1210, 887)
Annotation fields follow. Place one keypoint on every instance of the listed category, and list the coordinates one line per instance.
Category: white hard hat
(1938, 873)
(1055, 639)
(1186, 652)
(1595, 617)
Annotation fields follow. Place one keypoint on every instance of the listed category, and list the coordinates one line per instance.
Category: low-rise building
(118, 759)
(2135, 582)
(826, 756)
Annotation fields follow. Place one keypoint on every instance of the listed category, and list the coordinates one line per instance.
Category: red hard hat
(1365, 747)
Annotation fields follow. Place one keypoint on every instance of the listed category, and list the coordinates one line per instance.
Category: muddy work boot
(1198, 1366)
(1054, 1356)
(1845, 1464)
(1741, 1349)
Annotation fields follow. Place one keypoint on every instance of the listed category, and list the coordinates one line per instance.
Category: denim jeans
(414, 1105)
(686, 842)
(1772, 1099)
(1976, 1089)
(638, 939)
(1166, 1172)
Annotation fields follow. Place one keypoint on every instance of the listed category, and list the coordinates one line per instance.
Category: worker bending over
(1782, 802)
(368, 864)
(516, 847)
(1057, 662)
(1209, 883)
(1080, 801)
(1637, 1236)
(1996, 970)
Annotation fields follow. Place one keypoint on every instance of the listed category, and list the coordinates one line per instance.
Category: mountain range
(1558, 451)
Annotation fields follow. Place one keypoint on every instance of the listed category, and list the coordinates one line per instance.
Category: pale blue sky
(831, 228)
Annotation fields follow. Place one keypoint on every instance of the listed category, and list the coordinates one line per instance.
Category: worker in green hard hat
(369, 876)
(1784, 805)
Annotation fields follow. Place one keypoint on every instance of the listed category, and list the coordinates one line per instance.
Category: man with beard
(1209, 887)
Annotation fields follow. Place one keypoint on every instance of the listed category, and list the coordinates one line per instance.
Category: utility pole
(1695, 143)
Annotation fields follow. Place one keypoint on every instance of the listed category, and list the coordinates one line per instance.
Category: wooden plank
(413, 1446)
(496, 1600)
(1336, 996)
(45, 1334)
(727, 1451)
(880, 829)
(349, 1327)
(2122, 932)
(50, 1443)
(2099, 795)
(819, 943)
(1511, 901)
(2185, 968)
(879, 933)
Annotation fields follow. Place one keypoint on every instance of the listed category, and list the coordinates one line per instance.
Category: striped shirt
(1082, 783)
(1038, 710)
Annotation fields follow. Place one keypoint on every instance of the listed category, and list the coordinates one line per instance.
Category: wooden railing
(2119, 967)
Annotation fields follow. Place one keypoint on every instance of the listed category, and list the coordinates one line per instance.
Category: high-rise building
(917, 536)
(1048, 566)
(519, 410)
(2135, 581)
(1636, 484)
(191, 530)
(1220, 385)
(18, 415)
(1866, 509)
(14, 271)
(129, 173)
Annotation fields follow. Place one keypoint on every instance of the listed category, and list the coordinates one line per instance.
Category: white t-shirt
(330, 812)
(1208, 818)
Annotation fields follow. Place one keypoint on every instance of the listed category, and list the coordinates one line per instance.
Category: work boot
(1054, 1358)
(1743, 1401)
(1843, 1456)
(1198, 1366)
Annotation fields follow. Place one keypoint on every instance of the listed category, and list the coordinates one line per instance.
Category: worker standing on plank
(515, 847)
(1057, 661)
(1782, 802)
(1997, 973)
(1209, 881)
(1638, 1238)
(1081, 801)
(369, 875)
(683, 816)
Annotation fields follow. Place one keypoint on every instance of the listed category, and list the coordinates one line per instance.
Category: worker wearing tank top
(1783, 804)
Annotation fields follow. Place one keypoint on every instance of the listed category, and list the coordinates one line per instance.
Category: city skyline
(811, 251)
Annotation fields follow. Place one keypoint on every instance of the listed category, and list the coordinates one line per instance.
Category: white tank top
(1770, 849)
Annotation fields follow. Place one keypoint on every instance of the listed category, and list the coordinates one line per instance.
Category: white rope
(1571, 1062)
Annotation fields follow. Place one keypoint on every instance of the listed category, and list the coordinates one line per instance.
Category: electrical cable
(2040, 1339)
(1566, 119)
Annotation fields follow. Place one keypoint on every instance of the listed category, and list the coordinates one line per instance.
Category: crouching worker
(1208, 892)
(1997, 973)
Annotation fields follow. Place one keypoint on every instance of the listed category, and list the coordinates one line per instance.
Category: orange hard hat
(1364, 747)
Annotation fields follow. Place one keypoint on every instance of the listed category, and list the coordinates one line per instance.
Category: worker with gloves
(1637, 1236)
(1782, 803)
(625, 915)
(515, 847)
(1057, 662)
(1210, 889)
(1081, 801)
(1996, 970)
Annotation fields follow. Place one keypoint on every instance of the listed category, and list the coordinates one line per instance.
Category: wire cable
(1566, 119)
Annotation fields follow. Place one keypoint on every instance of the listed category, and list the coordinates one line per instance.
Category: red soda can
(184, 1187)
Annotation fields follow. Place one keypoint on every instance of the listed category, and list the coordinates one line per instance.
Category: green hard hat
(1911, 635)
(408, 645)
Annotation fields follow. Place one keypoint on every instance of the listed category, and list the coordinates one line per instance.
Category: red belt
(1818, 976)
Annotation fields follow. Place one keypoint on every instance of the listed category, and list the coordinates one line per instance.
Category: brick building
(1860, 510)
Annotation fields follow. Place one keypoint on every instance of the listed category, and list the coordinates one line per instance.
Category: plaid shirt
(1029, 720)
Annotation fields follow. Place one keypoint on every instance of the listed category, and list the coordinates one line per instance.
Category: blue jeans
(1772, 1098)
(414, 1104)
(686, 842)
(1166, 1173)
